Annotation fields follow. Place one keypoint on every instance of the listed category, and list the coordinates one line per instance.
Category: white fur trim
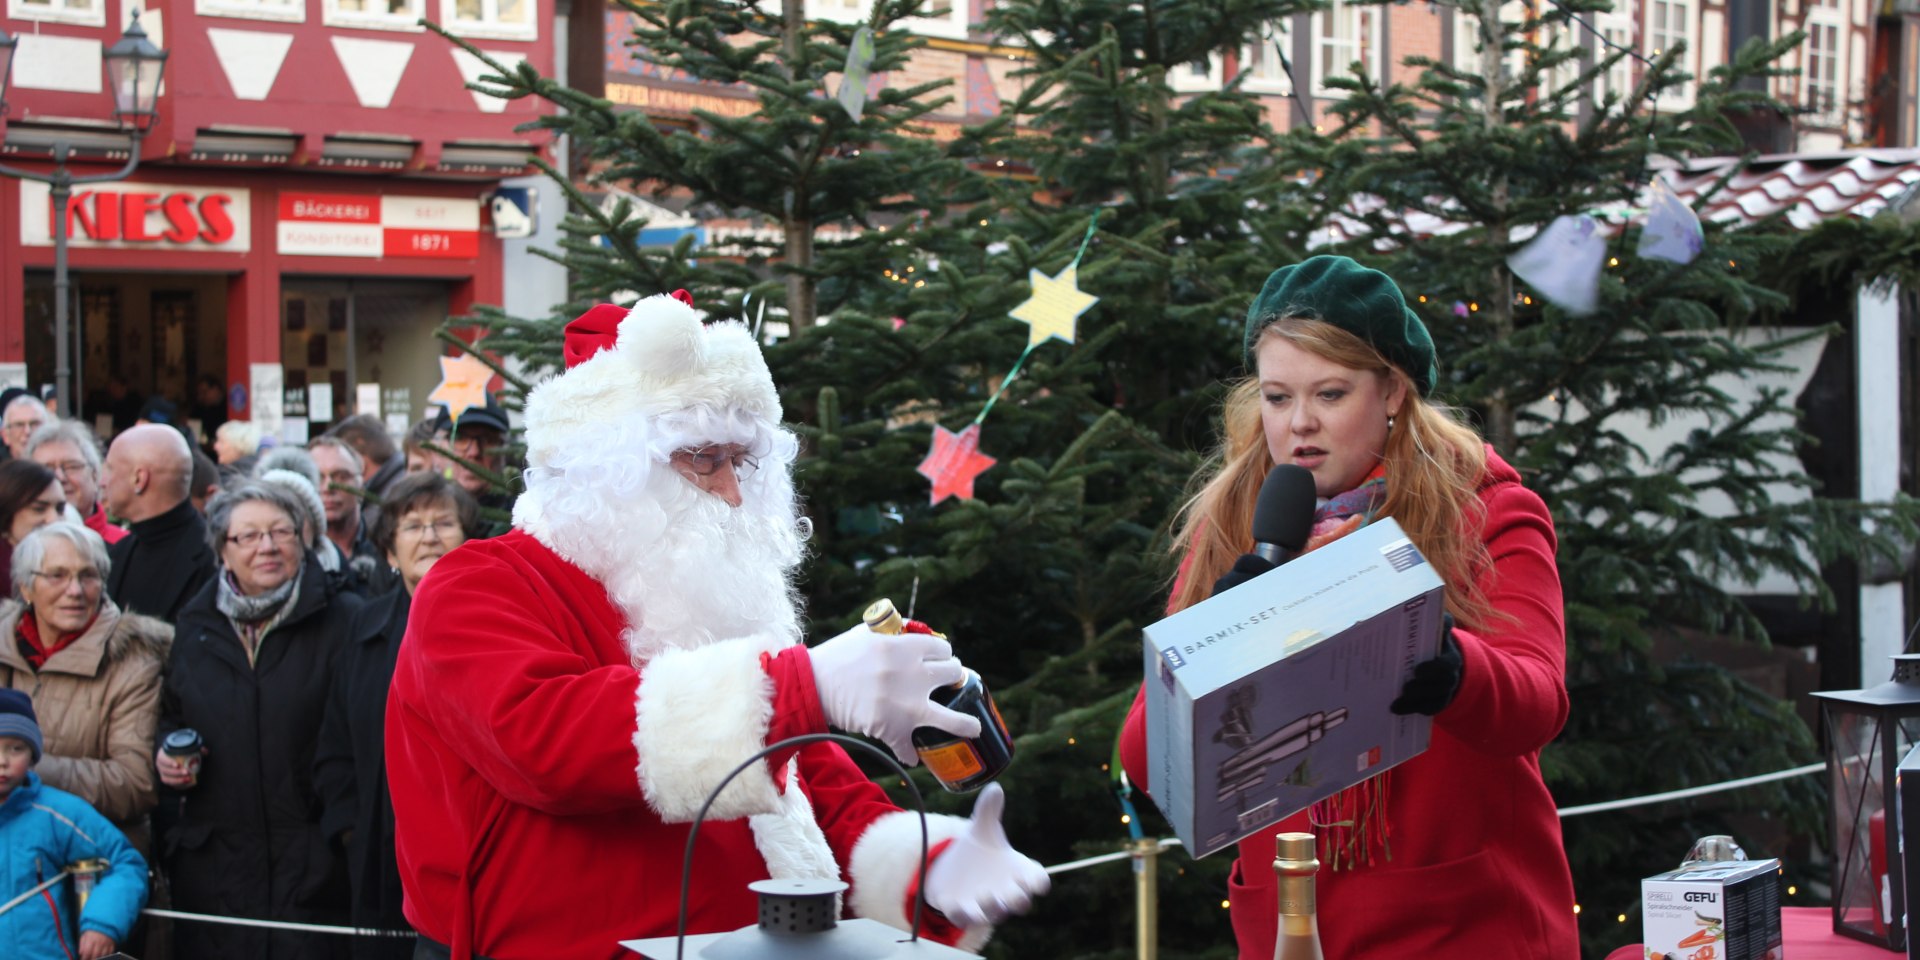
(791, 841)
(700, 713)
(664, 361)
(885, 861)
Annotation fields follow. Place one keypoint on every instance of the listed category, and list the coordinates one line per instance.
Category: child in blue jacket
(42, 831)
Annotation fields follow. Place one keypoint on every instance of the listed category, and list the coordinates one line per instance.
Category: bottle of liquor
(1294, 864)
(961, 764)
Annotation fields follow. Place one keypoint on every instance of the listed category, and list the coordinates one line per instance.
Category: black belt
(427, 948)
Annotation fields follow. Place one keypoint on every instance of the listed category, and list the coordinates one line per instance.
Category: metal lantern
(6, 68)
(1868, 733)
(799, 921)
(133, 68)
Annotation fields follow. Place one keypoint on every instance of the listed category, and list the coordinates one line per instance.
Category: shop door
(136, 339)
(345, 342)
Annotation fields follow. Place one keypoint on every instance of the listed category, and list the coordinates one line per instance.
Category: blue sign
(237, 397)
(516, 212)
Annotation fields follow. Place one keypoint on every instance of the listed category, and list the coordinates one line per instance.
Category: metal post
(61, 188)
(1146, 896)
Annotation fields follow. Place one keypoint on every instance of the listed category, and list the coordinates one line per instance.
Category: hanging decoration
(463, 384)
(1052, 311)
(853, 77)
(954, 462)
(1673, 230)
(1563, 263)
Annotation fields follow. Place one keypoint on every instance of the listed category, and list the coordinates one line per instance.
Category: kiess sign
(141, 216)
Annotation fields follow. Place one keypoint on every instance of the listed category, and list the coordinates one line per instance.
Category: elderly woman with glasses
(93, 673)
(250, 672)
(423, 517)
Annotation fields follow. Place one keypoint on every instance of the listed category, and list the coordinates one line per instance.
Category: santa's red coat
(1478, 871)
(543, 786)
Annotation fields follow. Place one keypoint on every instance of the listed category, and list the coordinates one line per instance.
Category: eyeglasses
(247, 541)
(443, 530)
(707, 460)
(69, 469)
(61, 579)
(28, 426)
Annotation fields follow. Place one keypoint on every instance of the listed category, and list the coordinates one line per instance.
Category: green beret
(1357, 299)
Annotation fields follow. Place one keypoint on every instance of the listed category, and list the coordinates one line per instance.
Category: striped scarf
(1350, 821)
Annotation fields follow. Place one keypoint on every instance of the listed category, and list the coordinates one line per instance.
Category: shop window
(1820, 63)
(291, 11)
(1466, 40)
(375, 14)
(1196, 77)
(499, 19)
(92, 13)
(1266, 62)
(1345, 34)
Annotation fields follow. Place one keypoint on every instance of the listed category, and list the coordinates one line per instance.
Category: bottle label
(951, 762)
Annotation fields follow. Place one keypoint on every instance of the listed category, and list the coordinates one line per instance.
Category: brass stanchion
(1146, 896)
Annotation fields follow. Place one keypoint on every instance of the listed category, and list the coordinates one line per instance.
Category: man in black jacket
(165, 558)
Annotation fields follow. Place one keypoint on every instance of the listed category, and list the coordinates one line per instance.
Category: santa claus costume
(569, 694)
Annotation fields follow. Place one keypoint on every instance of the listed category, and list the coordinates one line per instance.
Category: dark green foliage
(1045, 580)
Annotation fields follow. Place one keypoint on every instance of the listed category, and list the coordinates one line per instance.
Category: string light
(1224, 904)
(1423, 298)
(1613, 261)
(1125, 819)
(917, 284)
(1070, 741)
(1473, 308)
(1576, 909)
(1623, 918)
(909, 268)
(1792, 890)
(1103, 768)
(983, 223)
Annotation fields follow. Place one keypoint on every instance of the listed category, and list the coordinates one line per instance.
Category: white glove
(980, 878)
(878, 684)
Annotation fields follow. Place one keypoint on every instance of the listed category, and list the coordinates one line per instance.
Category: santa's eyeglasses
(706, 461)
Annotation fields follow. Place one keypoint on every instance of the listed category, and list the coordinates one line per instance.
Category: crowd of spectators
(194, 660)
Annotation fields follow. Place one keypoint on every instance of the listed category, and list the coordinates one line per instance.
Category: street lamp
(133, 67)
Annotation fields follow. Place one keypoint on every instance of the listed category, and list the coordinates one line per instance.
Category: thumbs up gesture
(980, 879)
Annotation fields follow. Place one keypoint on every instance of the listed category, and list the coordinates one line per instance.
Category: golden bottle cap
(1294, 852)
(881, 617)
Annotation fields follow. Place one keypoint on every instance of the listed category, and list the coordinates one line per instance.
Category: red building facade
(309, 206)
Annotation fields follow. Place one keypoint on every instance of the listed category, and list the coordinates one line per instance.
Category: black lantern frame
(1869, 731)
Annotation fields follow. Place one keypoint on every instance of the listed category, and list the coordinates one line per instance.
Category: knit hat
(655, 366)
(1357, 299)
(17, 719)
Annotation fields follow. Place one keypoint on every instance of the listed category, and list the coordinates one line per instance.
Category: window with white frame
(1344, 34)
(1820, 71)
(1198, 76)
(1618, 78)
(374, 14)
(1466, 38)
(938, 18)
(92, 13)
(503, 19)
(1669, 24)
(291, 11)
(1265, 63)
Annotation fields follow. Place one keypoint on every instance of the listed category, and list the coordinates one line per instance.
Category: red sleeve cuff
(796, 702)
(934, 925)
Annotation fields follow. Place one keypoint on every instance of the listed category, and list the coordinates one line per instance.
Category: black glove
(1244, 569)
(1434, 682)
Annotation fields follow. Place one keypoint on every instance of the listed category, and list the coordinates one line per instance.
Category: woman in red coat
(1455, 853)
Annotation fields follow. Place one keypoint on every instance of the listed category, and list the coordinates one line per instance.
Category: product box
(1727, 910)
(1273, 695)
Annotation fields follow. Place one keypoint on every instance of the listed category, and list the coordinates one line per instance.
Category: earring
(1389, 423)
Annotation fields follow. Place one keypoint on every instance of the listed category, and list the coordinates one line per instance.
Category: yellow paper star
(1055, 306)
(463, 384)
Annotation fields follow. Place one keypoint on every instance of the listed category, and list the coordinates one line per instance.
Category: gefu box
(1713, 911)
(1273, 695)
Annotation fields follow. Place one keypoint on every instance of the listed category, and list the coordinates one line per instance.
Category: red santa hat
(656, 364)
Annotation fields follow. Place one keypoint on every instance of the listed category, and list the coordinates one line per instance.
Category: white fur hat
(655, 365)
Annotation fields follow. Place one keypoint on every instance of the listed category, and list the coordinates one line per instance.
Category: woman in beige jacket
(92, 671)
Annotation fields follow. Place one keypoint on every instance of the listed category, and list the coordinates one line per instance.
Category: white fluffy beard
(687, 569)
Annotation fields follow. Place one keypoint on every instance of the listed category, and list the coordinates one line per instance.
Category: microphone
(1283, 516)
(1282, 521)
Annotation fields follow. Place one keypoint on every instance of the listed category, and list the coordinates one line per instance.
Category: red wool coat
(543, 787)
(1478, 870)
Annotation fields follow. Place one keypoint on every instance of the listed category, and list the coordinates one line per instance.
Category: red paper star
(954, 461)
